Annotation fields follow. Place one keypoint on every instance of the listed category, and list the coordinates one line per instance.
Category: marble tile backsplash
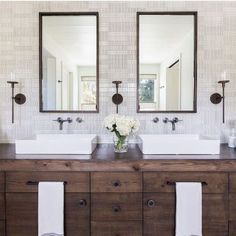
(19, 54)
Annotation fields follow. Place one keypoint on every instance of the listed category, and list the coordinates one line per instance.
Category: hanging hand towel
(188, 209)
(51, 209)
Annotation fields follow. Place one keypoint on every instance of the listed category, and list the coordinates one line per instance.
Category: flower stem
(120, 141)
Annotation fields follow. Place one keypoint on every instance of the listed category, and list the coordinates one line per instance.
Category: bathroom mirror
(68, 62)
(166, 61)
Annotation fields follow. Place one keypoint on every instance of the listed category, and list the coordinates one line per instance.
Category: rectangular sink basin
(178, 144)
(58, 144)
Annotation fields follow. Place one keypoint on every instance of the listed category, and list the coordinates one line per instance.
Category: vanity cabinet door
(159, 214)
(22, 214)
(22, 202)
(160, 203)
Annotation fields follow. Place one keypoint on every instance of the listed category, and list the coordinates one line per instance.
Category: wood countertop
(104, 159)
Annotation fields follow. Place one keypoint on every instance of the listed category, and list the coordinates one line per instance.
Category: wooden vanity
(118, 195)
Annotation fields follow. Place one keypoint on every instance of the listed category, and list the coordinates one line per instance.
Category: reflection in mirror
(69, 56)
(167, 62)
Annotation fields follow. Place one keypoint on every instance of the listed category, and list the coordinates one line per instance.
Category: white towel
(188, 209)
(51, 209)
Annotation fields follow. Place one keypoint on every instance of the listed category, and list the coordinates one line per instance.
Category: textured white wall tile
(117, 26)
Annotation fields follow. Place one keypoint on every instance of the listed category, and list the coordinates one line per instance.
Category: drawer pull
(151, 203)
(37, 182)
(116, 209)
(116, 183)
(82, 203)
(174, 183)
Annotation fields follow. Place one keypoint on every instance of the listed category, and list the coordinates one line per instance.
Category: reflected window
(147, 83)
(88, 93)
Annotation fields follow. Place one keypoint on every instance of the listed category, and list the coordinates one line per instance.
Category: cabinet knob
(116, 183)
(82, 203)
(116, 209)
(151, 203)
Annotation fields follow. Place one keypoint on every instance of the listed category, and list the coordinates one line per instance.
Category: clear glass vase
(120, 144)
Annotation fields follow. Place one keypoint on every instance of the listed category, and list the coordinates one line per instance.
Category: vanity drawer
(116, 182)
(18, 181)
(157, 182)
(116, 206)
(129, 228)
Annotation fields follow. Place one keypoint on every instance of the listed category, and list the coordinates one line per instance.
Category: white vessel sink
(178, 144)
(58, 144)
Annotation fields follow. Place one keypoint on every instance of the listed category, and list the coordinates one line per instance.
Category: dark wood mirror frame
(41, 15)
(195, 15)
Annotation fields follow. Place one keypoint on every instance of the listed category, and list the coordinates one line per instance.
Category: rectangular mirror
(68, 62)
(166, 61)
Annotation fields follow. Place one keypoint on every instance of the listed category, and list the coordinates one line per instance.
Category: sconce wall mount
(18, 98)
(216, 98)
(117, 98)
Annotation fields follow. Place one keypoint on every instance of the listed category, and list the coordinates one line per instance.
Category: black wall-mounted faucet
(61, 122)
(173, 122)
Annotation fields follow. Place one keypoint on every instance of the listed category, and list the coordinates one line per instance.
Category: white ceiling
(160, 34)
(75, 35)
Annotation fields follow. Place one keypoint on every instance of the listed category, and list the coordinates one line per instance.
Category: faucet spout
(173, 122)
(173, 125)
(61, 122)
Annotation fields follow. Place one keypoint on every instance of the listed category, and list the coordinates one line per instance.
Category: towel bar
(174, 183)
(37, 182)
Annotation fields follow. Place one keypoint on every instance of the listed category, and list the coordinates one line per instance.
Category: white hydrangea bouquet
(122, 126)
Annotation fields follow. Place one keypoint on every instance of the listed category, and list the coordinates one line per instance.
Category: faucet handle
(69, 120)
(79, 119)
(155, 119)
(165, 120)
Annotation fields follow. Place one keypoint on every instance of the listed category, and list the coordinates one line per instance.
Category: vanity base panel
(117, 203)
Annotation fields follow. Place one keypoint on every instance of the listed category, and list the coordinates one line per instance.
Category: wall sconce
(117, 98)
(18, 98)
(216, 98)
